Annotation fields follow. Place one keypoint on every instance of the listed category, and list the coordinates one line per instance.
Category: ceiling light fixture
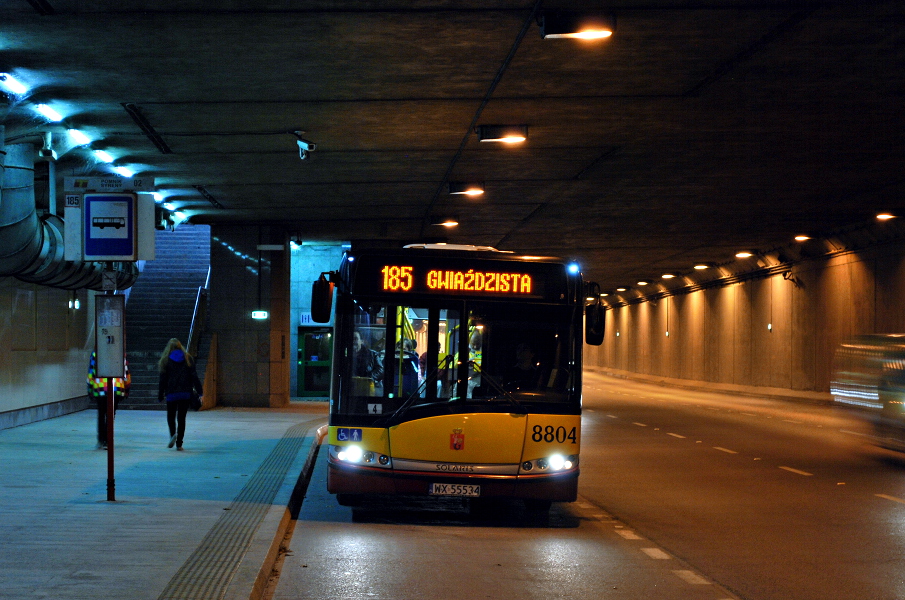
(885, 216)
(508, 134)
(48, 112)
(559, 24)
(701, 266)
(744, 254)
(468, 189)
(104, 156)
(802, 238)
(444, 221)
(669, 275)
(12, 84)
(80, 138)
(124, 171)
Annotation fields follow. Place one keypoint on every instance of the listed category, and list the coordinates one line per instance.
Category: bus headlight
(552, 464)
(350, 454)
(358, 455)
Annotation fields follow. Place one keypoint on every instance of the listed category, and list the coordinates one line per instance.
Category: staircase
(161, 305)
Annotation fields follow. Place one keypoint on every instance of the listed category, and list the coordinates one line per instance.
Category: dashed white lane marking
(791, 470)
(640, 424)
(629, 535)
(676, 435)
(791, 421)
(691, 577)
(748, 414)
(612, 416)
(656, 553)
(726, 450)
(893, 498)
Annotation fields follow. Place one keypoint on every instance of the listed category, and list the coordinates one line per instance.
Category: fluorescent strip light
(12, 84)
(80, 138)
(103, 155)
(124, 171)
(48, 112)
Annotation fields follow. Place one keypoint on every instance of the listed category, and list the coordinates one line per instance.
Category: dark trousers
(101, 402)
(176, 411)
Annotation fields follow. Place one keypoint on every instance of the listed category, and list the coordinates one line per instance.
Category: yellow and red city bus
(456, 372)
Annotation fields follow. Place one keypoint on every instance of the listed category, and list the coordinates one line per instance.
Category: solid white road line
(791, 470)
(893, 498)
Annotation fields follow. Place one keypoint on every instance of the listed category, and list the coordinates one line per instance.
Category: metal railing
(199, 316)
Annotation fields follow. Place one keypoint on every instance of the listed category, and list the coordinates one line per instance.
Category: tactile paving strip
(208, 571)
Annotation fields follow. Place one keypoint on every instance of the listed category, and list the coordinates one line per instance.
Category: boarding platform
(205, 522)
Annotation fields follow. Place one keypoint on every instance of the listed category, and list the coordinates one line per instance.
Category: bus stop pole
(111, 480)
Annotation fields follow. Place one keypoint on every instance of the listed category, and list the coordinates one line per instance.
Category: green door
(314, 359)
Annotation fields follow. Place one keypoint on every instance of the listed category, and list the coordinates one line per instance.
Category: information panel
(109, 227)
(109, 328)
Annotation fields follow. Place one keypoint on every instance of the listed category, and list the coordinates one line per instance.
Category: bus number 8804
(550, 434)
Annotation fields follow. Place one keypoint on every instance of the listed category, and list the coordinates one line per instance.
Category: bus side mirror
(595, 323)
(321, 299)
(595, 317)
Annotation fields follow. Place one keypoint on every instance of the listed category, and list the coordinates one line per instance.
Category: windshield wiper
(496, 385)
(396, 416)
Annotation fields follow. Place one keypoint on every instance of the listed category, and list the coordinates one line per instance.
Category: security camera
(304, 148)
(304, 145)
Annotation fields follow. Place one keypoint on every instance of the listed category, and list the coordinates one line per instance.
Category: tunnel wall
(771, 334)
(44, 350)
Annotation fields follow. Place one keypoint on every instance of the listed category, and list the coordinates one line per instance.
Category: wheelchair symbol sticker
(348, 435)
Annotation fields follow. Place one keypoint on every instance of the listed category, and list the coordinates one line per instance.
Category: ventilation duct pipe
(31, 249)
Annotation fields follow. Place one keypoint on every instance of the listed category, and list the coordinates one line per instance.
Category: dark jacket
(179, 379)
(366, 363)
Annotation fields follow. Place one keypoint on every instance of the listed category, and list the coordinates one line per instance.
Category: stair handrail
(199, 316)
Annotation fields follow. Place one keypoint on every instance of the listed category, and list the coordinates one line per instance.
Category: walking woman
(178, 383)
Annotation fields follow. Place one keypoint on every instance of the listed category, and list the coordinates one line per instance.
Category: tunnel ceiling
(698, 129)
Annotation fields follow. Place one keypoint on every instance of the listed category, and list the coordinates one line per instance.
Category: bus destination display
(402, 278)
(456, 276)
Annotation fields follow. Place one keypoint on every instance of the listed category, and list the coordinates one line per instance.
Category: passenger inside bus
(367, 371)
(406, 366)
(525, 373)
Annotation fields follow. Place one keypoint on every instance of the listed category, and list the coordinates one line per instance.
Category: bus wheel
(348, 499)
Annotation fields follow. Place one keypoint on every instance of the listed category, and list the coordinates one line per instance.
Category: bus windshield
(443, 356)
